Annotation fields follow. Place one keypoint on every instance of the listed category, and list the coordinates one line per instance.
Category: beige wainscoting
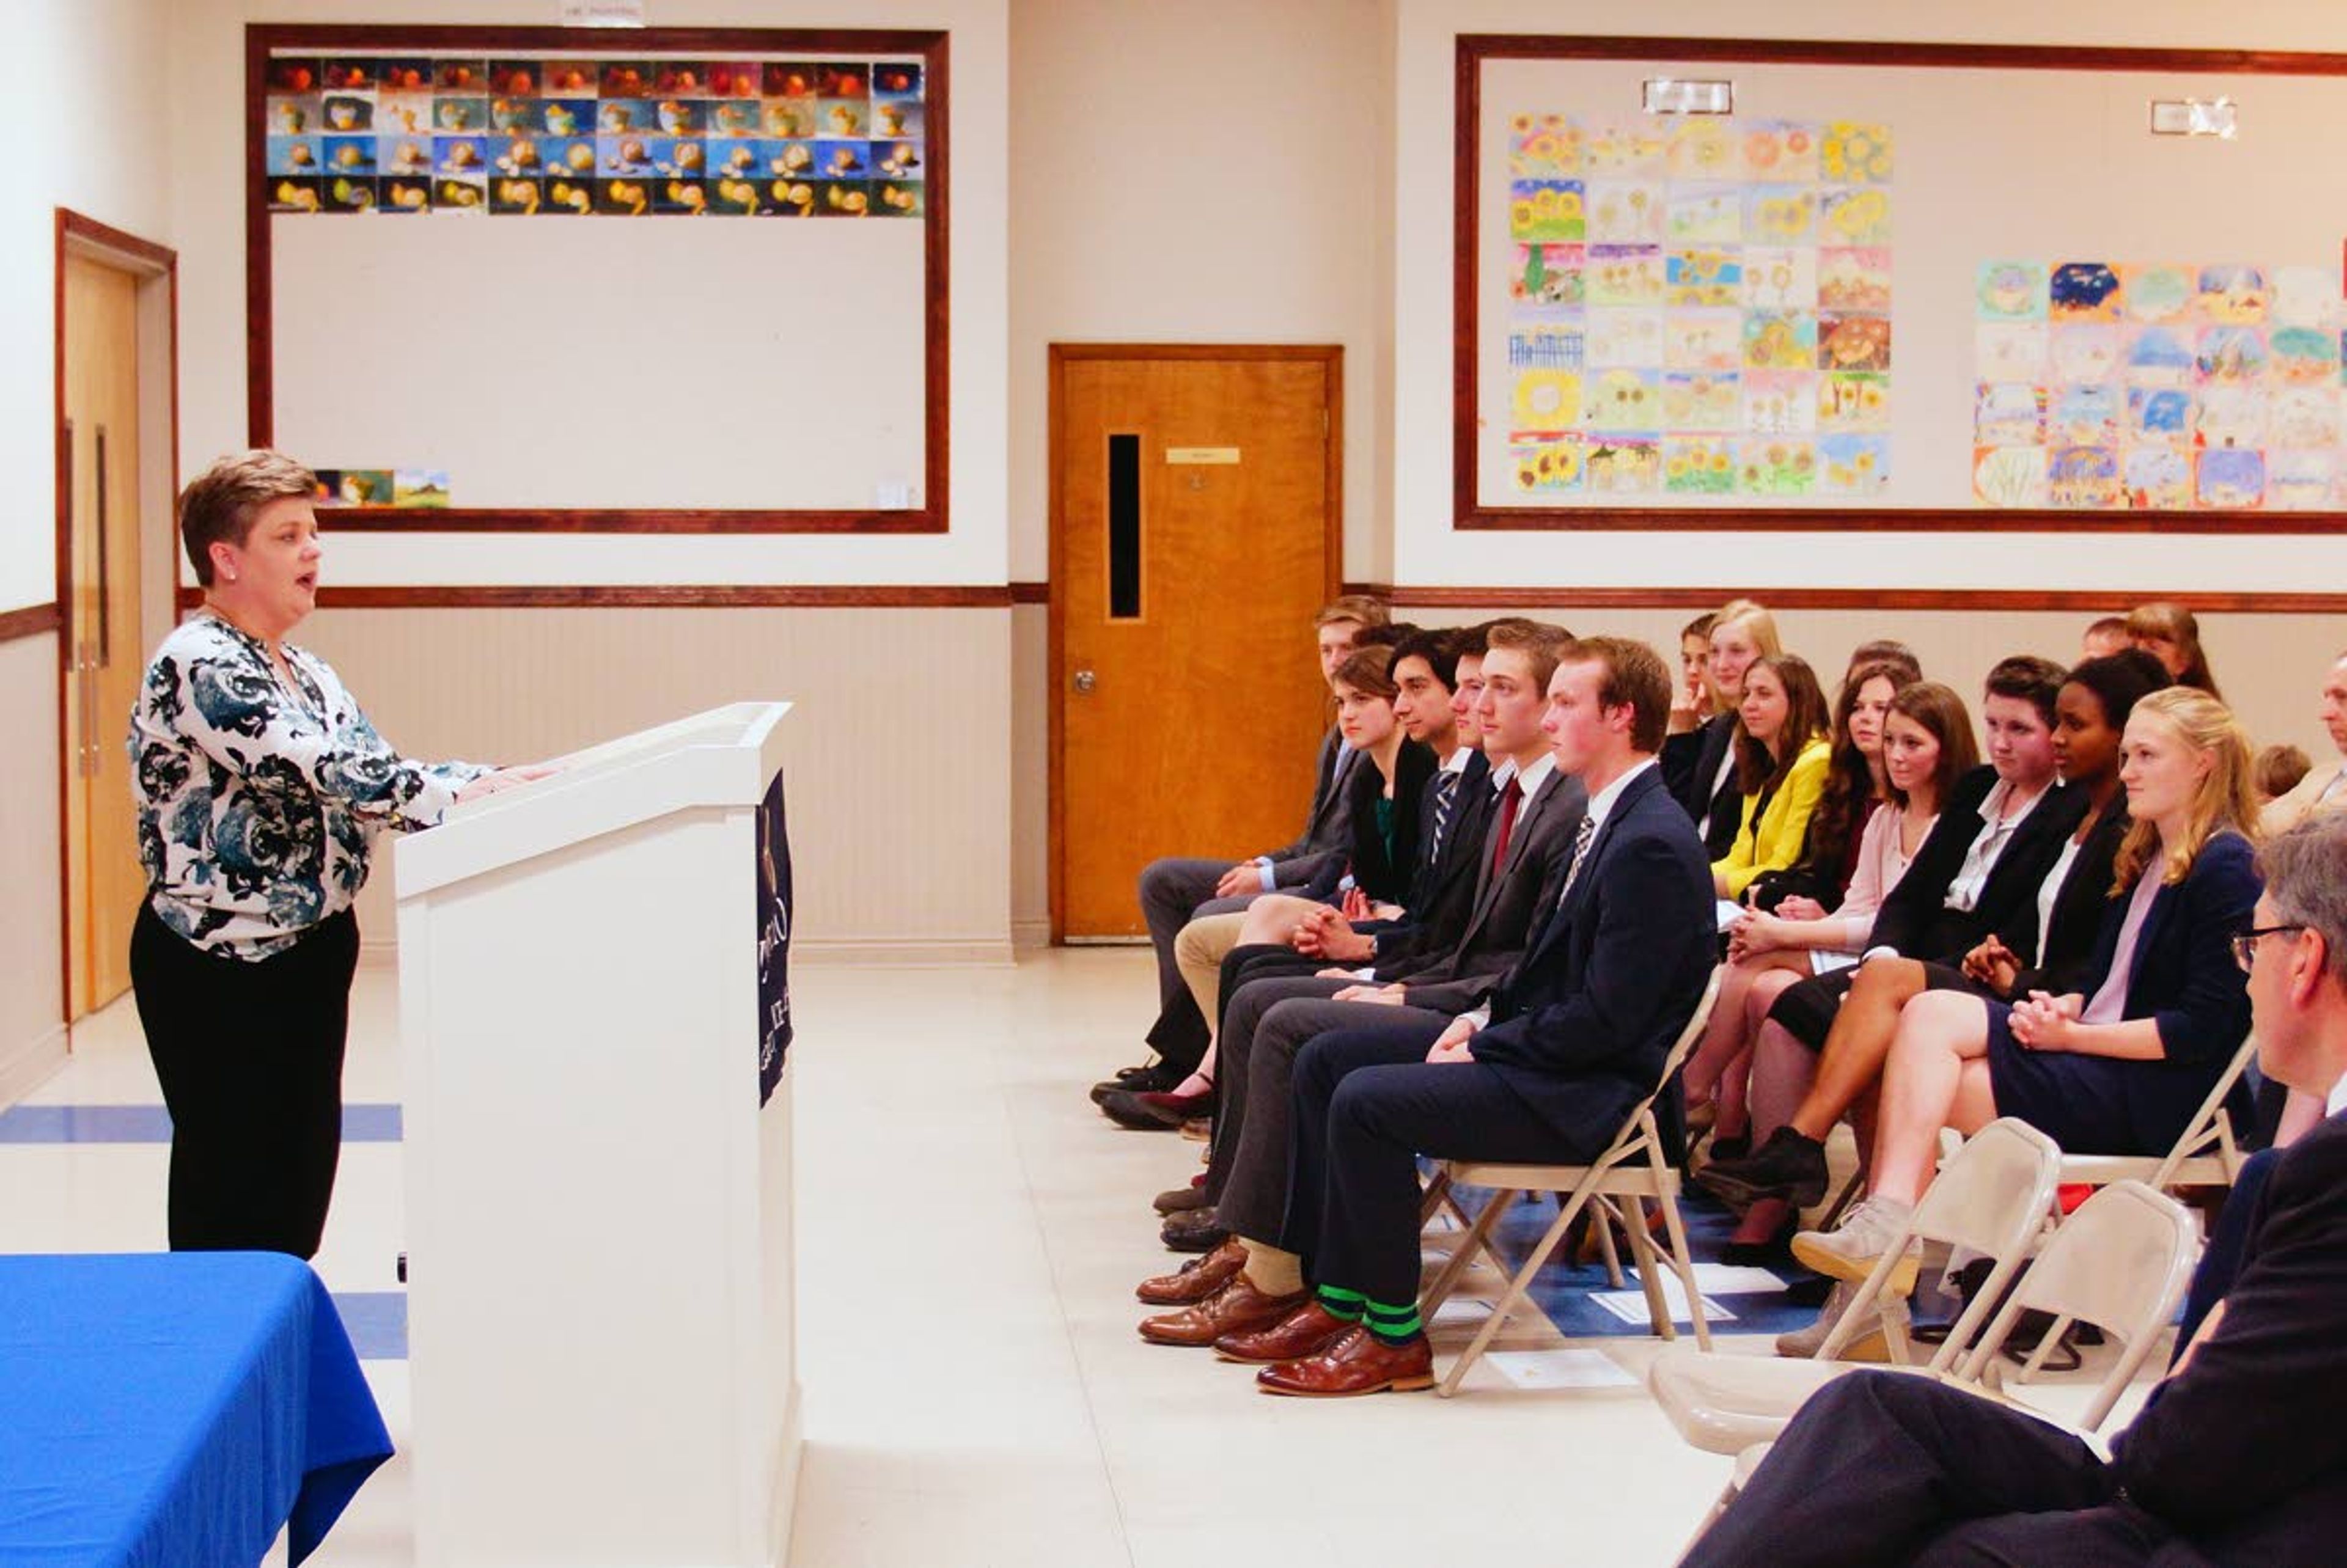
(2269, 665)
(32, 956)
(899, 781)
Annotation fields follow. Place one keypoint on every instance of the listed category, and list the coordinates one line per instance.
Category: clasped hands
(2042, 1021)
(1760, 931)
(1326, 933)
(1992, 964)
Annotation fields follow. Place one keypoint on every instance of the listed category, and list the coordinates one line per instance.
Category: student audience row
(1526, 856)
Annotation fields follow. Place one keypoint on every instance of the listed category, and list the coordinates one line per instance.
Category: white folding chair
(2204, 1155)
(2122, 1263)
(1991, 1197)
(1634, 1166)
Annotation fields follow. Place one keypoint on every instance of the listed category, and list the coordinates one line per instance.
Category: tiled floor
(970, 1230)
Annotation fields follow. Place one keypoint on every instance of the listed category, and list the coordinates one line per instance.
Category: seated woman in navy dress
(2118, 1069)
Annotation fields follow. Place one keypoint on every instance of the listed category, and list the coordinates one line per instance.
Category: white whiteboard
(608, 362)
(1990, 164)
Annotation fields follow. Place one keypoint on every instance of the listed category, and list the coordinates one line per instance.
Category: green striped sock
(1393, 1325)
(1339, 1303)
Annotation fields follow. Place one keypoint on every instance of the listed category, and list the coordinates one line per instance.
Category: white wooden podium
(599, 1207)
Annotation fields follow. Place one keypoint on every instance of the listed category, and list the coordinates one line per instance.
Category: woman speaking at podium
(259, 785)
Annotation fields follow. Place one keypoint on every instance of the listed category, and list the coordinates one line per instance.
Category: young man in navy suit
(1572, 1040)
(2239, 1459)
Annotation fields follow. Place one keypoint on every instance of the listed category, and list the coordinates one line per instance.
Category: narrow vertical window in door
(1125, 528)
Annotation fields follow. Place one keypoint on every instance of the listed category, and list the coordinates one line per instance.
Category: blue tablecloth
(172, 1409)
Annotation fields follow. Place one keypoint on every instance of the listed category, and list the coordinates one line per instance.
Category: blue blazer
(2186, 980)
(2243, 1451)
(1581, 1025)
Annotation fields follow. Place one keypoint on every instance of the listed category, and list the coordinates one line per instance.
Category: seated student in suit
(1572, 1038)
(2324, 787)
(2239, 1458)
(1740, 633)
(1267, 1021)
(1384, 792)
(1999, 830)
(2170, 633)
(1782, 753)
(1440, 678)
(1175, 889)
(2119, 1064)
(1691, 703)
(1927, 747)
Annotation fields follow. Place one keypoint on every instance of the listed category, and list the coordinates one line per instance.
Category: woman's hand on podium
(506, 778)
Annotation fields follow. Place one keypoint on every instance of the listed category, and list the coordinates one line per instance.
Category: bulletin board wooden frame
(1468, 511)
(264, 39)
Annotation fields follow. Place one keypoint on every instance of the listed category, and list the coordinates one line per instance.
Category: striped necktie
(1446, 797)
(1582, 838)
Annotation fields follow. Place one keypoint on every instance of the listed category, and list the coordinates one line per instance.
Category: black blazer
(1580, 1027)
(1719, 814)
(1505, 908)
(2068, 945)
(1383, 876)
(2243, 1451)
(1915, 919)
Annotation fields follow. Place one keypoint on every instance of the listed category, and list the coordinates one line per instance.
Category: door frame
(157, 268)
(1062, 355)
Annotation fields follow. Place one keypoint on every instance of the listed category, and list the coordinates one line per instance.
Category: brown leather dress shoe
(1197, 1279)
(1234, 1309)
(1359, 1362)
(1306, 1331)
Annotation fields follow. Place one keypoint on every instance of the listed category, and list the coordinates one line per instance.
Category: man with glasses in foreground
(2238, 1457)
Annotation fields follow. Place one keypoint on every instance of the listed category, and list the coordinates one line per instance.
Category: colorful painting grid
(2158, 386)
(575, 136)
(1698, 307)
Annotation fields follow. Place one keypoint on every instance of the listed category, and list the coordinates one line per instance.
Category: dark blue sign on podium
(773, 940)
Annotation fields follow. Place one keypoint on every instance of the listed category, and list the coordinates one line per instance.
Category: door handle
(1084, 683)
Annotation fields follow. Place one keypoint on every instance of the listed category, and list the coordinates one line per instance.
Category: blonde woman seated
(2119, 1067)
(1782, 755)
(1927, 745)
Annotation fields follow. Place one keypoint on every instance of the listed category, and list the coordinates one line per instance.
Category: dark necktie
(1581, 838)
(1446, 797)
(1510, 798)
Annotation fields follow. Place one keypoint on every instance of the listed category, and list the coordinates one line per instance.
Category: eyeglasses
(2245, 946)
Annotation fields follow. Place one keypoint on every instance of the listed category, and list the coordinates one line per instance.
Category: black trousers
(250, 1055)
(1882, 1467)
(1367, 1103)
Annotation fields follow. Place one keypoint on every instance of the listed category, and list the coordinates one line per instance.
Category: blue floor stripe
(375, 1123)
(377, 1321)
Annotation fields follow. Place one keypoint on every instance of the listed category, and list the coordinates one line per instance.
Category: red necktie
(1510, 797)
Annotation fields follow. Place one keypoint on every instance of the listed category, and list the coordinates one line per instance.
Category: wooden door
(1196, 530)
(104, 644)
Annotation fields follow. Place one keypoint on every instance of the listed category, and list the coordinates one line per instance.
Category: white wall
(1426, 550)
(84, 123)
(208, 192)
(1199, 173)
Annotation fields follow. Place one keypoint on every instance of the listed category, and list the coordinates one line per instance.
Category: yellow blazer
(1775, 841)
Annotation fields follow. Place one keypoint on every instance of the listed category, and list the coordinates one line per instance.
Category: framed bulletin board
(1706, 283)
(668, 279)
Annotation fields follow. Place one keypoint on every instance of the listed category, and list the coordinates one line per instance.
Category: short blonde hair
(218, 504)
(1755, 619)
(1361, 608)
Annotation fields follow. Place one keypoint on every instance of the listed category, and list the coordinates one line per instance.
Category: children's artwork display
(576, 136)
(2158, 385)
(1698, 307)
(405, 487)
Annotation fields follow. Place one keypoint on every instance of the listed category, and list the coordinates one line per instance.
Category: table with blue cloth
(173, 1409)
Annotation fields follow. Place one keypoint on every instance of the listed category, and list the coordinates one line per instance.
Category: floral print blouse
(257, 799)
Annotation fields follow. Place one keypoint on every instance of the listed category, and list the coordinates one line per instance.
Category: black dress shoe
(1197, 1231)
(1788, 1165)
(1145, 1080)
(1182, 1200)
